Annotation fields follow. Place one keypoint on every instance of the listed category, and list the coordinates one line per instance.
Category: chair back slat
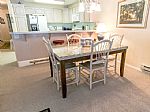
(100, 52)
(117, 40)
(73, 39)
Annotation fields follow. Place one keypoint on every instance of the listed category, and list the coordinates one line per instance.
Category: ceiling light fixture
(89, 6)
(50, 2)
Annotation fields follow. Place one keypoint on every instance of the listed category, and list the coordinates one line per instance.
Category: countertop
(58, 31)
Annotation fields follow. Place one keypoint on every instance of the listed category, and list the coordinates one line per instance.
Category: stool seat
(58, 42)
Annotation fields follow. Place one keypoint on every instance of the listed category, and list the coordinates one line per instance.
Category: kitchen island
(29, 46)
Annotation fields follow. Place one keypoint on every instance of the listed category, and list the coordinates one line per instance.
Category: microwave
(76, 17)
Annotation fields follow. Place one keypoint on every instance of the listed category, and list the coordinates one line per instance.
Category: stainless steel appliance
(37, 22)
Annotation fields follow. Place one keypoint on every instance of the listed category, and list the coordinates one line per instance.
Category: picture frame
(133, 14)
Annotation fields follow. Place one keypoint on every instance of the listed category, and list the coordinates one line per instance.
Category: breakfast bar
(29, 47)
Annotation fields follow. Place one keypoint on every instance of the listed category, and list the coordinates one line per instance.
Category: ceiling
(67, 2)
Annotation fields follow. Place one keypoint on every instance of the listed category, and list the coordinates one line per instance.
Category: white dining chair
(71, 68)
(91, 71)
(117, 41)
(73, 39)
(86, 41)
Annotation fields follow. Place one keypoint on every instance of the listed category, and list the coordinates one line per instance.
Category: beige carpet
(30, 89)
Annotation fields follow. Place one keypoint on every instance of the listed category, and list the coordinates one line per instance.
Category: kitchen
(31, 21)
(56, 15)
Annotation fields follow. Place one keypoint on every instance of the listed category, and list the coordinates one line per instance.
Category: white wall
(138, 40)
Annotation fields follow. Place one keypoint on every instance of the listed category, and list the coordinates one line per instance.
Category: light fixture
(50, 2)
(89, 6)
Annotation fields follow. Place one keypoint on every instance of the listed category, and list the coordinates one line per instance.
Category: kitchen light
(89, 6)
(50, 2)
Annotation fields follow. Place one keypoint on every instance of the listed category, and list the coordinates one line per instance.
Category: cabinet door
(21, 24)
(86, 17)
(66, 15)
(73, 11)
(58, 15)
(29, 10)
(39, 10)
(49, 15)
(18, 9)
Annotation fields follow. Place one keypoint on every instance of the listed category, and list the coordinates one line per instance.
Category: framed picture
(133, 13)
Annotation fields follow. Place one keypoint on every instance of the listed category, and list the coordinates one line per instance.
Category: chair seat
(94, 66)
(111, 57)
(67, 65)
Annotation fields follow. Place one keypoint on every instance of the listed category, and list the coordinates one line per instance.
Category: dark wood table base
(63, 73)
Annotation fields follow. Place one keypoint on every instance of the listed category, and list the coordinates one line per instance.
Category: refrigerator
(37, 22)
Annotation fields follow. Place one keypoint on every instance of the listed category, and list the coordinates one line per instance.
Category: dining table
(69, 54)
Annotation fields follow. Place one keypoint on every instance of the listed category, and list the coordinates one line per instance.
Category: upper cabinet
(18, 9)
(53, 15)
(83, 16)
(58, 15)
(39, 11)
(66, 18)
(29, 10)
(49, 15)
(18, 17)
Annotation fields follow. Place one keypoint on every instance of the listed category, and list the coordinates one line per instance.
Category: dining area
(86, 59)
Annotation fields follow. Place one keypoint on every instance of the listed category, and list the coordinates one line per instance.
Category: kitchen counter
(29, 46)
(58, 31)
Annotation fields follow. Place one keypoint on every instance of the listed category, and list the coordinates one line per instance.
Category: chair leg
(115, 64)
(57, 81)
(79, 72)
(54, 76)
(77, 76)
(91, 80)
(105, 72)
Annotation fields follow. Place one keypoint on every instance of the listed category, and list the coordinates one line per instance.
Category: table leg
(63, 79)
(122, 65)
(50, 65)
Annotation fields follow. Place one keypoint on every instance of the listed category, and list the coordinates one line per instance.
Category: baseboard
(30, 62)
(131, 66)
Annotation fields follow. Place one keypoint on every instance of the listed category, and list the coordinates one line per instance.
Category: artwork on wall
(133, 13)
(2, 20)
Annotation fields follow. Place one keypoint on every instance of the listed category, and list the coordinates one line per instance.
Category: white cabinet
(66, 15)
(86, 17)
(18, 9)
(49, 15)
(39, 11)
(58, 16)
(53, 15)
(21, 23)
(18, 17)
(29, 10)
